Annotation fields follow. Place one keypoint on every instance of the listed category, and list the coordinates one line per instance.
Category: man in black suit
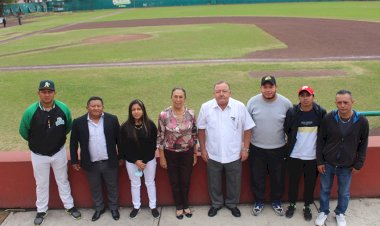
(97, 133)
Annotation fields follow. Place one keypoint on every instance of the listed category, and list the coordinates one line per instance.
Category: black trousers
(263, 162)
(99, 172)
(297, 167)
(180, 167)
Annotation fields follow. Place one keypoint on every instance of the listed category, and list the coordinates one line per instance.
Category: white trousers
(149, 175)
(41, 169)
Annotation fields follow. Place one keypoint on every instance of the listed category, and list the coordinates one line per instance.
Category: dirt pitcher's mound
(116, 38)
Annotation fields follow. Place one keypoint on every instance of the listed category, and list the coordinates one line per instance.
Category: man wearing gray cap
(44, 125)
(268, 110)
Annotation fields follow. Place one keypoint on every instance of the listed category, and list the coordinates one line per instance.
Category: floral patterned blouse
(176, 135)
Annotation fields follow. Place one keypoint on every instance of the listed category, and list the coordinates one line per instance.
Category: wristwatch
(246, 150)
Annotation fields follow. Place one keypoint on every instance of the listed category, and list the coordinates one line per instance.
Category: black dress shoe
(179, 214)
(188, 213)
(97, 214)
(115, 214)
(235, 211)
(213, 211)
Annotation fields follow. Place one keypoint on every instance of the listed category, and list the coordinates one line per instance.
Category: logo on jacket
(59, 121)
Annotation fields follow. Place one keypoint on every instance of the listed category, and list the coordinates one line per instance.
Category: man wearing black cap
(301, 126)
(44, 125)
(268, 110)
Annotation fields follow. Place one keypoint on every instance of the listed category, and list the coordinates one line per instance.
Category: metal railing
(370, 113)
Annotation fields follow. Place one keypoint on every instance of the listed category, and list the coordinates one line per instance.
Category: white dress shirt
(224, 129)
(97, 141)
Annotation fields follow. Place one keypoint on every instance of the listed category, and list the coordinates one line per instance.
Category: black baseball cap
(268, 79)
(47, 84)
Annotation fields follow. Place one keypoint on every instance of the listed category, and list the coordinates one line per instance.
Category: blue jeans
(344, 181)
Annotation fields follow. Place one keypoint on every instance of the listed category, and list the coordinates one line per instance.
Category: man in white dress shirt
(224, 132)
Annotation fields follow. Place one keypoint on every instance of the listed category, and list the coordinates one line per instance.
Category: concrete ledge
(18, 185)
(363, 212)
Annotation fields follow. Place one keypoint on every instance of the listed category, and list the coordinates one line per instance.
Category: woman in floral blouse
(176, 139)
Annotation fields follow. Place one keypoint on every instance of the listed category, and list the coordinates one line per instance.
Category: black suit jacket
(80, 134)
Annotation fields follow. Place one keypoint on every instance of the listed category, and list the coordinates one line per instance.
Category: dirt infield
(305, 38)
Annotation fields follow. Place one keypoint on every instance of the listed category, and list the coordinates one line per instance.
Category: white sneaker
(278, 208)
(321, 218)
(257, 209)
(341, 220)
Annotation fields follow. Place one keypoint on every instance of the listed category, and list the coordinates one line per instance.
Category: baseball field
(143, 53)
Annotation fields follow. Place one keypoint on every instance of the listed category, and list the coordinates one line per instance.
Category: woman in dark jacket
(137, 146)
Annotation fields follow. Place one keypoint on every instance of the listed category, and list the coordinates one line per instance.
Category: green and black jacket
(46, 131)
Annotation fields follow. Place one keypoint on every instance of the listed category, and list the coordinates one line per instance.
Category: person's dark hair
(179, 88)
(222, 82)
(94, 98)
(344, 91)
(129, 125)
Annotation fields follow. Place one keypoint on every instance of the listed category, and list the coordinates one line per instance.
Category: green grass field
(165, 43)
(118, 86)
(359, 10)
(152, 84)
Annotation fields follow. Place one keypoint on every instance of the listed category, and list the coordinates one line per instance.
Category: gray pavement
(361, 212)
